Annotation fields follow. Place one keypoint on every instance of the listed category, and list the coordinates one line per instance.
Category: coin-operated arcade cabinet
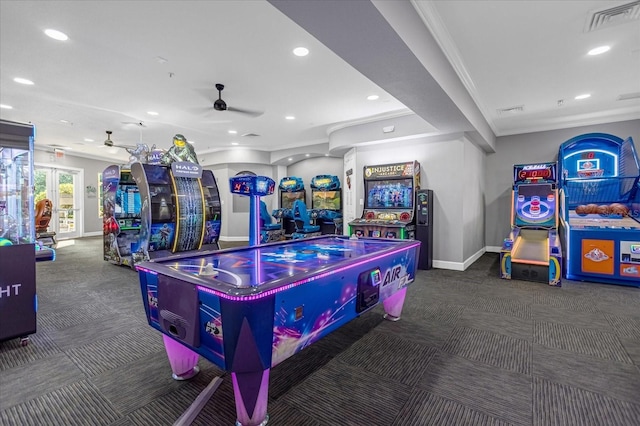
(532, 251)
(600, 209)
(326, 202)
(18, 248)
(156, 209)
(389, 210)
(254, 187)
(291, 188)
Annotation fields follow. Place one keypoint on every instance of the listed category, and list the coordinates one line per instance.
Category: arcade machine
(389, 191)
(121, 215)
(270, 231)
(181, 209)
(532, 251)
(253, 187)
(600, 209)
(155, 210)
(291, 188)
(18, 248)
(326, 201)
(248, 309)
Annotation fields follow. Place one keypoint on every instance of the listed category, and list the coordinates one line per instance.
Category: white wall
(443, 171)
(473, 212)
(531, 148)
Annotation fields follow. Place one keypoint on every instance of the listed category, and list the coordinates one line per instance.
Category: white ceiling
(125, 58)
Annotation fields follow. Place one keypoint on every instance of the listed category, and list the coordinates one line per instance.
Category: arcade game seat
(265, 219)
(304, 228)
(44, 209)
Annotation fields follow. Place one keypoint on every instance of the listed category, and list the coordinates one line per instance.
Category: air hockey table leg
(251, 392)
(184, 361)
(393, 305)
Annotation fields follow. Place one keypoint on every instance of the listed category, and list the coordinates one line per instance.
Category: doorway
(63, 187)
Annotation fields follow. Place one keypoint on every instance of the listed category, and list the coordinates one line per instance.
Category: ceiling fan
(221, 105)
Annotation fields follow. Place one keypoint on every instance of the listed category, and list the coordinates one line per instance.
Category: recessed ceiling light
(235, 143)
(191, 142)
(233, 132)
(88, 140)
(152, 113)
(57, 35)
(372, 97)
(3, 106)
(290, 117)
(301, 51)
(599, 50)
(306, 155)
(290, 159)
(23, 81)
(326, 155)
(579, 97)
(66, 122)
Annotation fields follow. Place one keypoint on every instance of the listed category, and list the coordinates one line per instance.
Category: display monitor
(326, 200)
(288, 198)
(389, 194)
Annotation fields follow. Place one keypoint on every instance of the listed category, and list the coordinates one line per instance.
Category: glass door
(62, 187)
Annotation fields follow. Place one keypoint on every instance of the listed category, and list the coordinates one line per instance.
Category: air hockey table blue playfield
(248, 309)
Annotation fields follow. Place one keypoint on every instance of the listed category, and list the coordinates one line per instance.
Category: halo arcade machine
(532, 251)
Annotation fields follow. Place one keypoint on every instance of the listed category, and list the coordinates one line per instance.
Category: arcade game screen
(389, 194)
(326, 200)
(288, 198)
(535, 203)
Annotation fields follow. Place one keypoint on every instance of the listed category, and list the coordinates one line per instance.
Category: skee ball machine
(389, 210)
(532, 251)
(600, 214)
(18, 250)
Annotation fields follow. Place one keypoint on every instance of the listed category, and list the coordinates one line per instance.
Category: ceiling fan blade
(250, 112)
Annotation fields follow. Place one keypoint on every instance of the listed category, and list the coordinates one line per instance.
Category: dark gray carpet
(470, 349)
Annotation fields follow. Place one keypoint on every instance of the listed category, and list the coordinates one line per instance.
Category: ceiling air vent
(604, 18)
(627, 96)
(251, 135)
(511, 110)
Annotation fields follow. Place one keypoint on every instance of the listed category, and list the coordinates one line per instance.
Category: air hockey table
(248, 309)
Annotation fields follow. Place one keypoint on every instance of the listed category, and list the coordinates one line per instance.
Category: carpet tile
(580, 340)
(499, 393)
(491, 348)
(559, 405)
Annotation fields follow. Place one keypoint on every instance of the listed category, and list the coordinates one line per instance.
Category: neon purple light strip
(293, 284)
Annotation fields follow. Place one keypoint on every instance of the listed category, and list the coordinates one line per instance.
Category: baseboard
(92, 234)
(459, 266)
(444, 264)
(473, 258)
(233, 239)
(493, 249)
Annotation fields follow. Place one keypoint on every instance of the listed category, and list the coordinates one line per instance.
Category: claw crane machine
(18, 249)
